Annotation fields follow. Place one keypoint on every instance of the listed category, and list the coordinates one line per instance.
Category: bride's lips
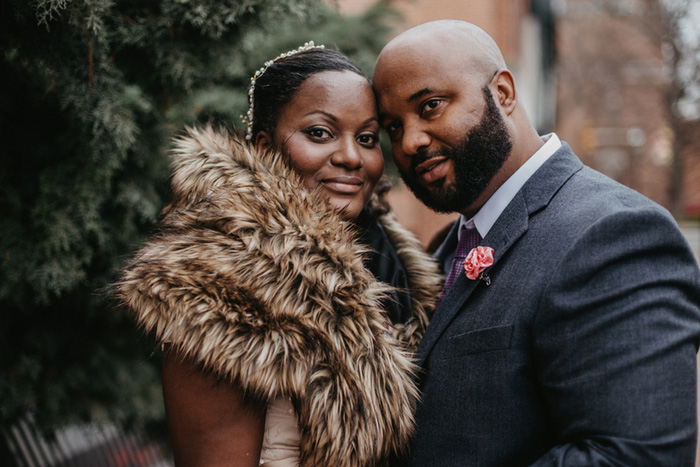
(431, 170)
(343, 184)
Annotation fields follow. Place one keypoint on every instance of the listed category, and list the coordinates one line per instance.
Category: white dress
(280, 446)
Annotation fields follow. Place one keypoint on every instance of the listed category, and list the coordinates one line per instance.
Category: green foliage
(92, 92)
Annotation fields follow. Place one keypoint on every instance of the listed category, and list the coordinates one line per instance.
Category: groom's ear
(505, 91)
(263, 140)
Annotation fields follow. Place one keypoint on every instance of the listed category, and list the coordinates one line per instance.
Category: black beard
(476, 159)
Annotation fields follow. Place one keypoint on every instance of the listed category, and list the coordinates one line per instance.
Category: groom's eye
(430, 105)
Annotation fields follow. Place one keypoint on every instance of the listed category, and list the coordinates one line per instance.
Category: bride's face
(330, 132)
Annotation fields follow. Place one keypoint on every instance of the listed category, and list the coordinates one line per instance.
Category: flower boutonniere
(477, 261)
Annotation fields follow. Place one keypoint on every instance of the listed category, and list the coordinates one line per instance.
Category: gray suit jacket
(582, 350)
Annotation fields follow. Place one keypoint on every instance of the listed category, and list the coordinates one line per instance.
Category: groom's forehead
(404, 83)
(406, 72)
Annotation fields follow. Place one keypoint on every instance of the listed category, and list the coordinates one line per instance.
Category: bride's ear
(263, 140)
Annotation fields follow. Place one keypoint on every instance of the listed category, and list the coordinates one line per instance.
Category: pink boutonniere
(477, 261)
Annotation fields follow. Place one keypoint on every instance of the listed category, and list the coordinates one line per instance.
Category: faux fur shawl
(253, 278)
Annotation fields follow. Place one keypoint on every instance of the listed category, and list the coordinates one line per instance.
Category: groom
(577, 345)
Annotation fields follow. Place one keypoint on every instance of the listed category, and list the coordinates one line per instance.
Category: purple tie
(469, 239)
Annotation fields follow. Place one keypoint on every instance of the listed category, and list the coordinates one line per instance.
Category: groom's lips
(432, 170)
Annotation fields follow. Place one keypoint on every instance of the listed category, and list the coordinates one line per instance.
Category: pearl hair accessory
(248, 119)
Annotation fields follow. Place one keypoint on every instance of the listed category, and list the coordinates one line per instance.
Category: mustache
(423, 155)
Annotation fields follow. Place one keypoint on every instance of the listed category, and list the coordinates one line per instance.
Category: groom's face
(448, 136)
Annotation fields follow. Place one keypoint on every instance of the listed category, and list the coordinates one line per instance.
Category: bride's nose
(347, 154)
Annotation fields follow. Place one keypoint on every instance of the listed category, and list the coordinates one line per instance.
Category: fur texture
(253, 278)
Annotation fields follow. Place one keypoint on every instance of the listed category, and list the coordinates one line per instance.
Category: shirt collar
(497, 203)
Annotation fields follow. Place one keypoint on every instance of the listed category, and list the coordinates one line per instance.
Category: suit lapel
(500, 238)
(509, 227)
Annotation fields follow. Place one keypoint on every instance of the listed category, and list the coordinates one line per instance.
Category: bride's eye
(319, 133)
(368, 139)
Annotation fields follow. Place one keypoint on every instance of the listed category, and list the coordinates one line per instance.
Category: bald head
(449, 105)
(467, 47)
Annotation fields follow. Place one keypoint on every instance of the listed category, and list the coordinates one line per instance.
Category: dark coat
(582, 350)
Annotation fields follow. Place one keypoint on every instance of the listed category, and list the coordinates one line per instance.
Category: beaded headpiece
(248, 119)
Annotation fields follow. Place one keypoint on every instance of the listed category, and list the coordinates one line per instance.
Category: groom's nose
(414, 139)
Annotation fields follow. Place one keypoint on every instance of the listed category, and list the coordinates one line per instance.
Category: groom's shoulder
(590, 187)
(589, 196)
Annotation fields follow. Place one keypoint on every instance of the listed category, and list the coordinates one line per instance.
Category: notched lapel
(509, 227)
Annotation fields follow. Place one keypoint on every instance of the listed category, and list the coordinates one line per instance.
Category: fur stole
(253, 278)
